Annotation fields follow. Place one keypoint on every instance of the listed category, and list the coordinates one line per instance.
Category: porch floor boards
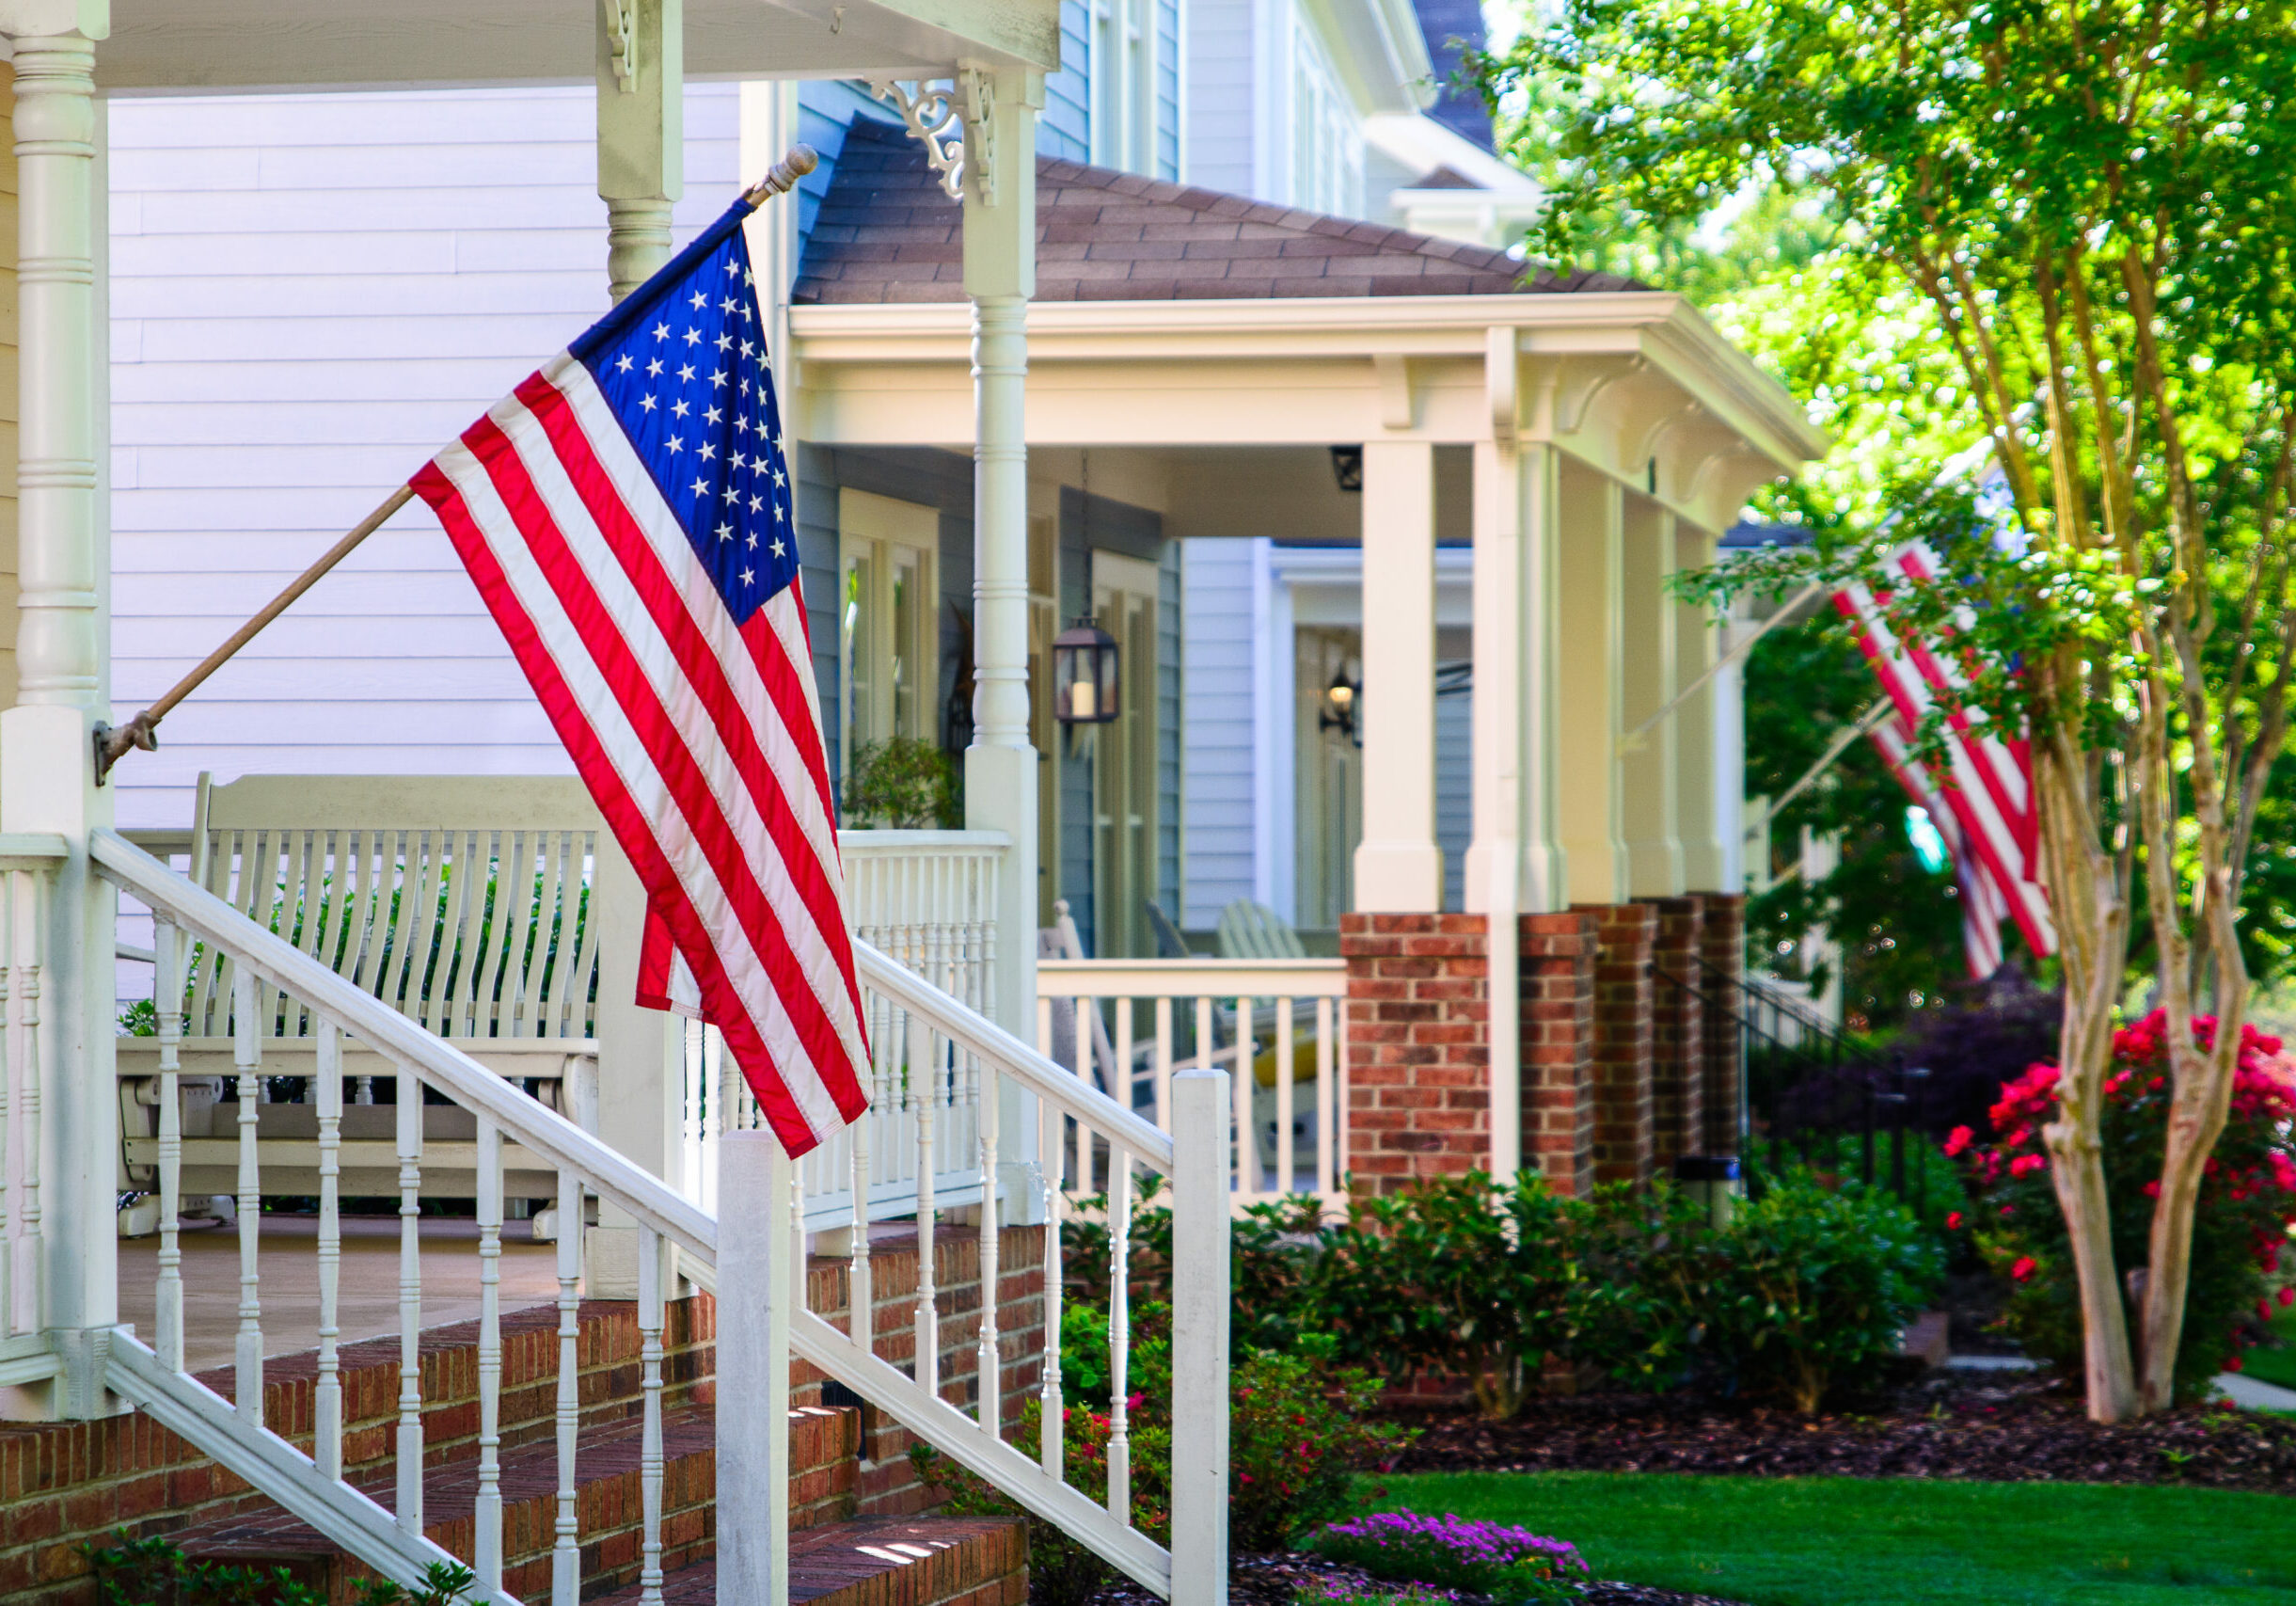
(367, 1300)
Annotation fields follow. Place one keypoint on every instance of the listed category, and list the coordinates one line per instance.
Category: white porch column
(642, 132)
(1000, 263)
(1398, 870)
(1588, 684)
(1705, 855)
(1649, 798)
(47, 777)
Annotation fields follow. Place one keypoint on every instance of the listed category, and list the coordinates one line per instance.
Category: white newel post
(1398, 870)
(47, 777)
(756, 1294)
(642, 132)
(1000, 275)
(1201, 1315)
(1649, 796)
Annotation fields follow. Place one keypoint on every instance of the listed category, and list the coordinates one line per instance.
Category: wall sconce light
(1347, 467)
(1338, 711)
(1084, 674)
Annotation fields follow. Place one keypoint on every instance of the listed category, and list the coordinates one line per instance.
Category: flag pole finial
(784, 176)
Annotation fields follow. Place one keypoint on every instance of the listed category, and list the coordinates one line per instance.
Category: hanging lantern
(1083, 674)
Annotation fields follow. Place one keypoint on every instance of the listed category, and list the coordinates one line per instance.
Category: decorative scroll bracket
(956, 123)
(622, 36)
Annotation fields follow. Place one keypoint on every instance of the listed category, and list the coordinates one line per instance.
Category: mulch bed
(2006, 1427)
(1275, 1580)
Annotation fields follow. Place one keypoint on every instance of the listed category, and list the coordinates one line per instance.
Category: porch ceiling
(253, 45)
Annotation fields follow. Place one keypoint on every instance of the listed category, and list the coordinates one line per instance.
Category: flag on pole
(626, 512)
(1982, 802)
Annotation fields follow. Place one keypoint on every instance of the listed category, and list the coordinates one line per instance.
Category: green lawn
(2275, 1365)
(1880, 1542)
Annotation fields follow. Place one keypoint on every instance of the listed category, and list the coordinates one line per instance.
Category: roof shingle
(886, 232)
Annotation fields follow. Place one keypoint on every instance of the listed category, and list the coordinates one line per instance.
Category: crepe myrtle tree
(2089, 202)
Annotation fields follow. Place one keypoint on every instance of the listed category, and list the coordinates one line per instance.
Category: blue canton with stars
(682, 363)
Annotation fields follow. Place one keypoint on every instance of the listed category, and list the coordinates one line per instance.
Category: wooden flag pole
(142, 731)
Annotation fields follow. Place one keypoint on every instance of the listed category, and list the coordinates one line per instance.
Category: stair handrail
(265, 955)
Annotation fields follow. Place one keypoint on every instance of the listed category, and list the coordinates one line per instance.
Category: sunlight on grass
(1879, 1542)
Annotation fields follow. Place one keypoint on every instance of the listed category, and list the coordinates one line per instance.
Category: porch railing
(1126, 1026)
(931, 1047)
(927, 901)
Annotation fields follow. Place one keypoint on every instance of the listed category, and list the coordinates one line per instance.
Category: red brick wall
(1723, 944)
(1625, 1122)
(1557, 1004)
(1419, 1054)
(1678, 1045)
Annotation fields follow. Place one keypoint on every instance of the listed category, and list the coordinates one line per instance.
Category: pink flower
(2026, 1266)
(1952, 1224)
(2152, 1189)
(2025, 1165)
(1958, 1139)
(2286, 1296)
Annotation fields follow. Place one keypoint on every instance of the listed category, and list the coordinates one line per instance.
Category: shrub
(1808, 1287)
(2247, 1199)
(1297, 1440)
(154, 1572)
(1935, 1185)
(902, 785)
(1460, 1272)
(1508, 1565)
(1342, 1592)
(1973, 1046)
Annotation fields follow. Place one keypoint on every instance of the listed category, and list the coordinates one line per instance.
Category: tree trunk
(2197, 1116)
(2091, 915)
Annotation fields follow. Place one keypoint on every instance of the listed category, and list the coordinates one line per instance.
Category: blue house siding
(1168, 89)
(825, 111)
(1064, 129)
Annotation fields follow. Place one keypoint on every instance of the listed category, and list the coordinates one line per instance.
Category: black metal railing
(1808, 1093)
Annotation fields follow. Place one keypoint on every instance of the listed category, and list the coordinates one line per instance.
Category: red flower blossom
(1958, 1139)
(2026, 1266)
(1953, 1222)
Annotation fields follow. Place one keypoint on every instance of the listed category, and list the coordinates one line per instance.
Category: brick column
(1723, 945)
(1557, 961)
(1625, 1122)
(1419, 1058)
(1678, 1045)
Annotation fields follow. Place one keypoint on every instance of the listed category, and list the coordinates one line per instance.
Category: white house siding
(1219, 741)
(310, 295)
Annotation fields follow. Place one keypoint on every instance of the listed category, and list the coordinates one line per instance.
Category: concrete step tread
(874, 1560)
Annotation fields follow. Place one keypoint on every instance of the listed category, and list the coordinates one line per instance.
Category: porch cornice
(1586, 339)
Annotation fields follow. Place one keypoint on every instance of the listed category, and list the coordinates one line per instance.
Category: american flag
(1982, 804)
(626, 512)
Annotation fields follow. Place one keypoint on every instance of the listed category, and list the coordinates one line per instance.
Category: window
(1122, 82)
(1326, 143)
(888, 619)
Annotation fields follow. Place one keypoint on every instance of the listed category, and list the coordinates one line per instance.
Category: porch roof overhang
(1636, 384)
(215, 46)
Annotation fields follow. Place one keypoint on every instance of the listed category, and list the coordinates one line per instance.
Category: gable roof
(886, 231)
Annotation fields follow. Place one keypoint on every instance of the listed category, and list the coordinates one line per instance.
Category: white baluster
(248, 1058)
(921, 1098)
(326, 1400)
(167, 1005)
(1119, 1332)
(650, 1452)
(991, 1370)
(31, 898)
(1163, 1064)
(1326, 1076)
(861, 1294)
(566, 1553)
(1286, 1178)
(1049, 1140)
(1201, 1313)
(486, 1512)
(409, 1454)
(1239, 1087)
(14, 1072)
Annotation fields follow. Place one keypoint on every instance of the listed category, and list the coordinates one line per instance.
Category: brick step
(824, 1447)
(883, 1561)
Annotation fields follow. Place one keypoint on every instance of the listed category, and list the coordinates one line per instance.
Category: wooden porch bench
(403, 886)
